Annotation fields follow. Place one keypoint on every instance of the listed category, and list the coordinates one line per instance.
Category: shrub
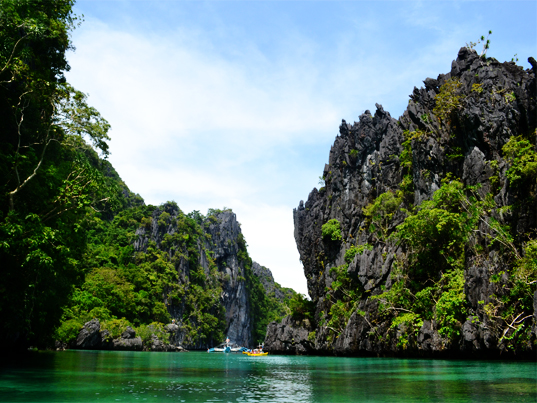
(164, 219)
(155, 328)
(522, 158)
(100, 313)
(68, 330)
(301, 307)
(332, 230)
(451, 306)
(115, 327)
(354, 250)
(380, 212)
(447, 100)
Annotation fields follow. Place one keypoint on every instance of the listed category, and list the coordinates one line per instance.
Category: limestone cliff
(271, 288)
(217, 251)
(379, 291)
(176, 280)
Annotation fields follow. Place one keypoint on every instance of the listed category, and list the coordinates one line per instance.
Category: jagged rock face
(352, 179)
(265, 277)
(288, 337)
(497, 102)
(90, 336)
(221, 241)
(267, 281)
(224, 234)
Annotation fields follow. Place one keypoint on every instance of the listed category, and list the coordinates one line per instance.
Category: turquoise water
(102, 376)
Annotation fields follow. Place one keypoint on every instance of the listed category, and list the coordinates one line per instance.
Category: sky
(235, 104)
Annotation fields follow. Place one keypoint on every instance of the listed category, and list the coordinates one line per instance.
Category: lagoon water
(105, 376)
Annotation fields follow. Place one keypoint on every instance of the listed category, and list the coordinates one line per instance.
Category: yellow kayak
(256, 354)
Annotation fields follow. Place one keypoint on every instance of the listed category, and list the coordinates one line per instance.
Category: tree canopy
(49, 174)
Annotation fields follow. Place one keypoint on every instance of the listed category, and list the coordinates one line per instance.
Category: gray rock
(267, 281)
(90, 336)
(130, 344)
(129, 333)
(428, 338)
(171, 328)
(287, 337)
(365, 161)
(157, 345)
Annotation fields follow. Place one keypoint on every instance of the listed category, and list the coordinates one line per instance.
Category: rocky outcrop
(200, 268)
(128, 341)
(289, 337)
(219, 248)
(269, 285)
(91, 337)
(454, 127)
(225, 233)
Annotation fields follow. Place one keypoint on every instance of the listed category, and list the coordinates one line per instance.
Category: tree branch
(13, 52)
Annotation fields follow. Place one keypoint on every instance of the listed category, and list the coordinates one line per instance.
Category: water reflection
(83, 376)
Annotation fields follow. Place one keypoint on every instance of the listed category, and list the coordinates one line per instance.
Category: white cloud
(192, 127)
(269, 230)
(167, 88)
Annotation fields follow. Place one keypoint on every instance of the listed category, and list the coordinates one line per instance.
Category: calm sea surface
(101, 376)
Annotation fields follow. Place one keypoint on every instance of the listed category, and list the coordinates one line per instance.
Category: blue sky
(236, 103)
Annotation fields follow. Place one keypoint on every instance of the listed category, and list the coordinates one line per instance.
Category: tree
(49, 175)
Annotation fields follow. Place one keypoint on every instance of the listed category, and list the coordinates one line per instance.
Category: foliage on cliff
(434, 219)
(138, 286)
(265, 308)
(162, 280)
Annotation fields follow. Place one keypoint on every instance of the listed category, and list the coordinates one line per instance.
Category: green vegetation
(379, 214)
(448, 99)
(345, 294)
(264, 308)
(427, 282)
(511, 309)
(331, 230)
(405, 159)
(121, 285)
(67, 221)
(456, 154)
(486, 44)
(356, 250)
(436, 236)
(124, 288)
(146, 332)
(50, 177)
(522, 158)
(477, 88)
(301, 308)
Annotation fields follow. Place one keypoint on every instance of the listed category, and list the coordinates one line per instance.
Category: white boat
(227, 347)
